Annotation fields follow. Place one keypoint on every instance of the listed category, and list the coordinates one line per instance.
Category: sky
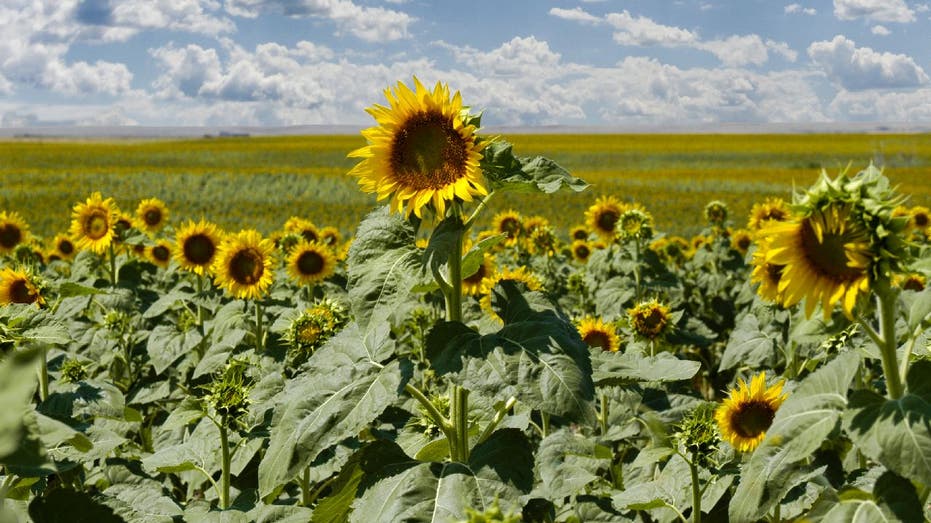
(521, 62)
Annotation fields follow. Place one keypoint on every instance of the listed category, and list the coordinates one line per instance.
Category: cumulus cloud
(576, 14)
(882, 106)
(863, 68)
(880, 30)
(643, 31)
(372, 24)
(874, 10)
(798, 9)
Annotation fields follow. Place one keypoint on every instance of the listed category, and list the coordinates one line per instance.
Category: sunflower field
(454, 356)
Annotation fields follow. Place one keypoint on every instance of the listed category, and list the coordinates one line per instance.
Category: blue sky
(571, 62)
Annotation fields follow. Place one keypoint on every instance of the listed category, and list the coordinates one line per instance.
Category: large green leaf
(539, 359)
(896, 433)
(567, 462)
(802, 423)
(613, 368)
(513, 173)
(749, 344)
(442, 245)
(167, 344)
(384, 266)
(67, 506)
(142, 502)
(17, 374)
(347, 390)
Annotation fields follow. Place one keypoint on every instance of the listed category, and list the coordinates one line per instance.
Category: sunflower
(596, 333)
(243, 264)
(768, 275)
(911, 281)
(93, 223)
(63, 247)
(771, 210)
(920, 219)
(747, 413)
(311, 262)
(581, 250)
(330, 236)
(533, 223)
(520, 275)
(197, 246)
(579, 232)
(602, 217)
(423, 150)
(542, 241)
(635, 224)
(508, 223)
(13, 231)
(741, 240)
(649, 319)
(18, 286)
(305, 228)
(160, 253)
(151, 215)
(124, 222)
(472, 284)
(826, 257)
(716, 213)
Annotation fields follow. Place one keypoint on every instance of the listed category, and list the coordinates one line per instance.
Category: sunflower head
(741, 240)
(330, 236)
(20, 286)
(542, 241)
(423, 153)
(72, 371)
(770, 210)
(596, 333)
(93, 223)
(243, 265)
(747, 413)
(472, 284)
(510, 224)
(228, 393)
(525, 279)
(303, 227)
(635, 224)
(532, 223)
(768, 275)
(311, 262)
(197, 245)
(603, 215)
(151, 215)
(912, 281)
(13, 231)
(579, 232)
(697, 435)
(313, 328)
(649, 319)
(716, 213)
(64, 247)
(581, 251)
(160, 253)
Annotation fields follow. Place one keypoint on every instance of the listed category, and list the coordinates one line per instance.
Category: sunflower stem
(637, 269)
(442, 421)
(259, 334)
(200, 291)
(499, 415)
(696, 491)
(603, 417)
(478, 209)
(225, 471)
(461, 423)
(305, 487)
(112, 257)
(886, 300)
(777, 512)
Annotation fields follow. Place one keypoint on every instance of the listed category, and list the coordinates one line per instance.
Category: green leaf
(67, 506)
(70, 289)
(442, 245)
(567, 462)
(898, 495)
(919, 309)
(384, 266)
(857, 511)
(51, 332)
(167, 344)
(613, 368)
(335, 508)
(18, 376)
(538, 174)
(143, 502)
(84, 401)
(748, 345)
(347, 390)
(800, 426)
(473, 259)
(896, 433)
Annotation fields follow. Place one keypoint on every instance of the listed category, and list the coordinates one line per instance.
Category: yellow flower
(766, 274)
(771, 210)
(304, 227)
(310, 262)
(422, 151)
(911, 282)
(747, 413)
(920, 218)
(741, 240)
(581, 250)
(13, 231)
(151, 215)
(243, 265)
(508, 223)
(579, 232)
(533, 223)
(93, 222)
(602, 217)
(521, 275)
(63, 247)
(330, 236)
(649, 319)
(472, 284)
(197, 246)
(596, 333)
(826, 258)
(17, 286)
(160, 253)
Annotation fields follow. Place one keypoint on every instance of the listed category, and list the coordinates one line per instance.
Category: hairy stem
(225, 471)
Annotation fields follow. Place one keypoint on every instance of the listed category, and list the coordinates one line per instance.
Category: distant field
(260, 182)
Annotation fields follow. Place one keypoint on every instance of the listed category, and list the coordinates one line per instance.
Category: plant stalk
(603, 417)
(696, 491)
(259, 328)
(112, 265)
(886, 299)
(225, 471)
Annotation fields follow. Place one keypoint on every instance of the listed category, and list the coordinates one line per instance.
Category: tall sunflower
(747, 413)
(243, 265)
(151, 215)
(197, 246)
(310, 262)
(13, 231)
(423, 151)
(826, 257)
(596, 333)
(93, 223)
(18, 286)
(603, 215)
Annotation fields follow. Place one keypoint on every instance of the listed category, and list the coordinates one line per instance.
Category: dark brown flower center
(427, 152)
(199, 249)
(582, 252)
(246, 266)
(914, 283)
(10, 235)
(829, 256)
(650, 322)
(310, 263)
(752, 418)
(161, 253)
(65, 246)
(774, 272)
(152, 217)
(743, 242)
(310, 235)
(580, 234)
(597, 338)
(607, 219)
(96, 224)
(921, 220)
(510, 226)
(20, 292)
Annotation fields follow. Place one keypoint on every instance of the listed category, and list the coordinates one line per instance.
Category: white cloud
(882, 106)
(922, 8)
(880, 30)
(372, 24)
(738, 50)
(863, 68)
(576, 14)
(519, 56)
(643, 31)
(875, 10)
(82, 77)
(798, 9)
(175, 15)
